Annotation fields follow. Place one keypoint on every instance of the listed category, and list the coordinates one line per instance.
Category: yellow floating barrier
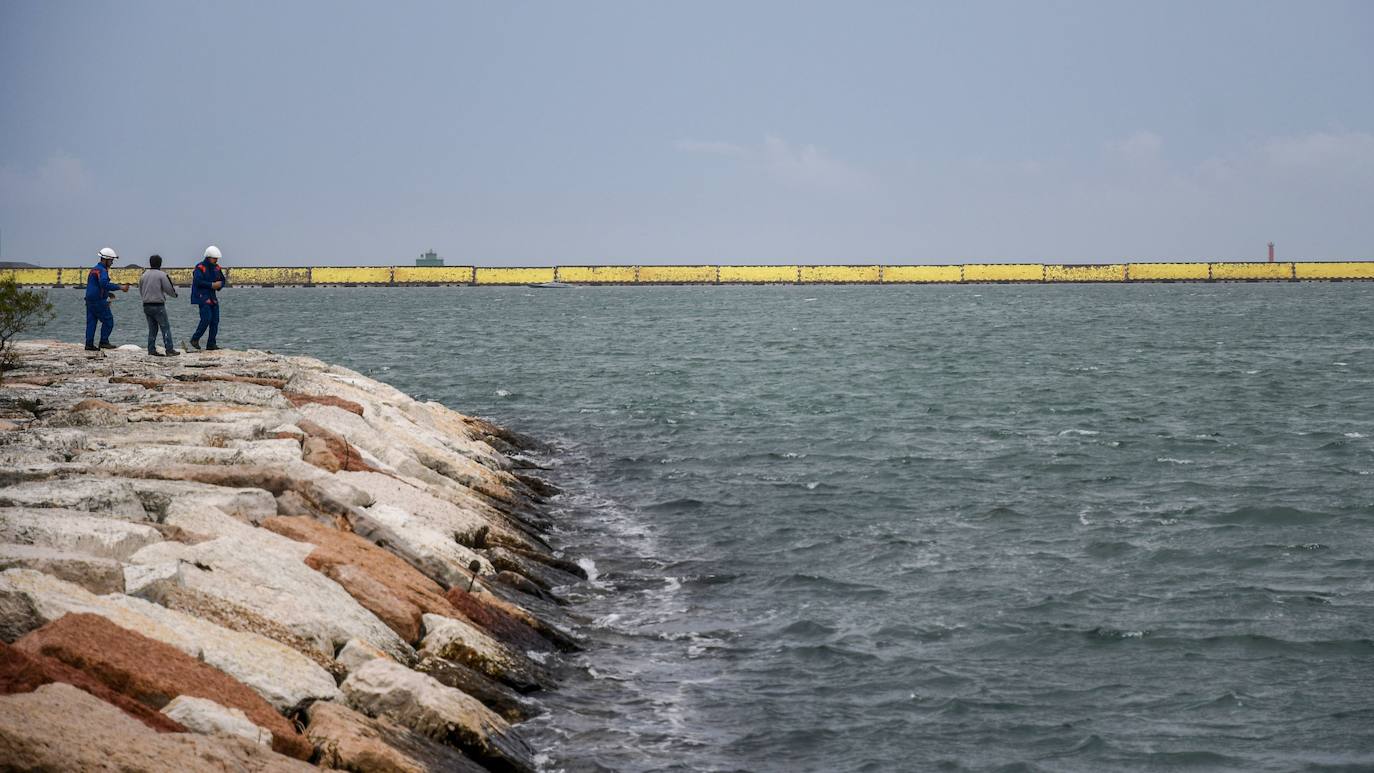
(353, 275)
(182, 276)
(839, 274)
(592, 275)
(1251, 271)
(513, 276)
(123, 276)
(677, 275)
(448, 275)
(1167, 272)
(922, 274)
(759, 274)
(1348, 270)
(1004, 272)
(33, 276)
(247, 275)
(1114, 272)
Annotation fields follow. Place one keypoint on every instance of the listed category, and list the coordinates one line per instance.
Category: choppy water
(958, 528)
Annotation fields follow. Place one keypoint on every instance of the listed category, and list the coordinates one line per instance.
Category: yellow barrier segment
(1004, 272)
(74, 277)
(350, 275)
(1146, 272)
(181, 277)
(512, 276)
(677, 274)
(1226, 271)
(247, 275)
(839, 274)
(33, 276)
(1349, 270)
(595, 274)
(448, 275)
(922, 274)
(1114, 272)
(758, 274)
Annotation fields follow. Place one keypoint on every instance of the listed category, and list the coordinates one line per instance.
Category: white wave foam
(502, 393)
(812, 485)
(589, 566)
(1354, 434)
(1172, 460)
(1063, 433)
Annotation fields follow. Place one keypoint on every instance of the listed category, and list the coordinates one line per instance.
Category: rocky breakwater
(247, 561)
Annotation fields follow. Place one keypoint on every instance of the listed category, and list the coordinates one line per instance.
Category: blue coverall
(203, 277)
(98, 289)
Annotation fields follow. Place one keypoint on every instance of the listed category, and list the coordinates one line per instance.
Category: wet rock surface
(253, 544)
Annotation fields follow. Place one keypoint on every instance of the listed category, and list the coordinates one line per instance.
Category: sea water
(918, 528)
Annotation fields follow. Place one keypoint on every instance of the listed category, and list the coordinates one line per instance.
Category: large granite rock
(61, 728)
(154, 673)
(24, 672)
(97, 575)
(305, 601)
(200, 715)
(75, 532)
(381, 688)
(432, 551)
(386, 585)
(282, 676)
(351, 741)
(105, 496)
(460, 641)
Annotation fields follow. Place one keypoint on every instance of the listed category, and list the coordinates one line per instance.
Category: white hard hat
(212, 252)
(108, 253)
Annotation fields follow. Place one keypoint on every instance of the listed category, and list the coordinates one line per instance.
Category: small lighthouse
(1271, 252)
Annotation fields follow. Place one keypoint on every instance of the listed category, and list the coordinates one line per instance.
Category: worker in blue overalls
(206, 278)
(99, 292)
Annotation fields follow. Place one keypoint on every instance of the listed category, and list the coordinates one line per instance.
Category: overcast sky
(512, 133)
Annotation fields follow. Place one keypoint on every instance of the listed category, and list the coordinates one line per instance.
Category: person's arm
(110, 286)
(167, 287)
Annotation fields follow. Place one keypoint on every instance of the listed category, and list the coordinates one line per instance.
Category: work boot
(212, 348)
(92, 348)
(172, 352)
(107, 345)
(153, 351)
(195, 344)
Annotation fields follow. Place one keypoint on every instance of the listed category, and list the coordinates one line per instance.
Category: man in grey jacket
(155, 286)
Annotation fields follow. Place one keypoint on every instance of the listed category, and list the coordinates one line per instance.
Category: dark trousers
(98, 311)
(156, 314)
(209, 319)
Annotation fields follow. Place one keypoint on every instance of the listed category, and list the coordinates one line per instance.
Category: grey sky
(509, 133)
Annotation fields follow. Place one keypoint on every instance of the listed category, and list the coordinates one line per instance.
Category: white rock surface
(103, 496)
(75, 532)
(355, 653)
(429, 550)
(304, 601)
(97, 575)
(204, 716)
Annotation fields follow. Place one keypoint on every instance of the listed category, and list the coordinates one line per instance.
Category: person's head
(212, 254)
(155, 261)
(108, 256)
